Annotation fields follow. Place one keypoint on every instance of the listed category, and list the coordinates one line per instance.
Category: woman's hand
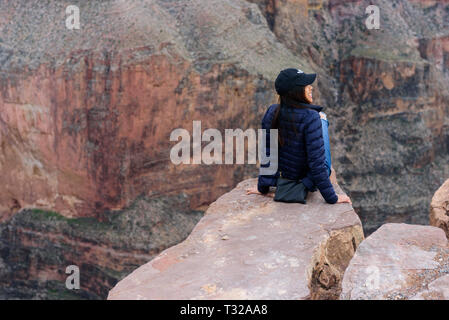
(254, 190)
(342, 198)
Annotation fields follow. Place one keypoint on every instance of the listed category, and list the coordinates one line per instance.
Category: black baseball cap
(290, 78)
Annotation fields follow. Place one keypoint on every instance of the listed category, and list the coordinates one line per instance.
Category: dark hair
(293, 98)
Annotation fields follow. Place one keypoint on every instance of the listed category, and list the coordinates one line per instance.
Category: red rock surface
(250, 247)
(399, 262)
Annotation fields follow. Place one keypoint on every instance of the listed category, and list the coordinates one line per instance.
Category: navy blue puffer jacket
(302, 154)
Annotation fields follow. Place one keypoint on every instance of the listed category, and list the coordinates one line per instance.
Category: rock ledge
(250, 247)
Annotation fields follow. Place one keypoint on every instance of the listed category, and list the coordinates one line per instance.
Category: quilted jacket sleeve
(265, 181)
(318, 175)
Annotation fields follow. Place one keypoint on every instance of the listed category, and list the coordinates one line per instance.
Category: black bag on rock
(290, 191)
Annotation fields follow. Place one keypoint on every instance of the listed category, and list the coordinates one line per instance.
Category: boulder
(398, 262)
(439, 208)
(251, 247)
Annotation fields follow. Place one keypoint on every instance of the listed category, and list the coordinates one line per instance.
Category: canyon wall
(86, 115)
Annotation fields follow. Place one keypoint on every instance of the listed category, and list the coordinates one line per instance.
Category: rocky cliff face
(86, 114)
(36, 246)
(250, 247)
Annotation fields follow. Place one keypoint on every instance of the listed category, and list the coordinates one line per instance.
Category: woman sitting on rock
(304, 158)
